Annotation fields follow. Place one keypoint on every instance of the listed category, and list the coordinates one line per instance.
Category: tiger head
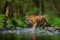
(30, 20)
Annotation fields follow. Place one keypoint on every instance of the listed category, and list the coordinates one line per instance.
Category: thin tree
(37, 5)
(42, 7)
(21, 11)
(5, 10)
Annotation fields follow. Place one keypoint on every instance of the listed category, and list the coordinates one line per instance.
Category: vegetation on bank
(53, 20)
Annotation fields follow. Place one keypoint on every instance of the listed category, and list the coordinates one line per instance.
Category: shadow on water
(28, 34)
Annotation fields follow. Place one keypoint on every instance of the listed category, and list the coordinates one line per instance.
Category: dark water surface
(28, 34)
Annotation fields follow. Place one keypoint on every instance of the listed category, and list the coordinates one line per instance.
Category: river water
(29, 34)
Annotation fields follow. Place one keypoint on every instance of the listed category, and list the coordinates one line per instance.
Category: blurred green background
(23, 8)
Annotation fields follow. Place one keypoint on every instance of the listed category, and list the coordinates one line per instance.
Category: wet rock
(51, 29)
(57, 28)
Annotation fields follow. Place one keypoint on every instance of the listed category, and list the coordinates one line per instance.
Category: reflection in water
(34, 36)
(28, 34)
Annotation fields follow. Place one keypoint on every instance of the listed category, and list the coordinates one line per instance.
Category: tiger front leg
(34, 25)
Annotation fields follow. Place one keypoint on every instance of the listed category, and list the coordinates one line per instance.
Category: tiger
(35, 19)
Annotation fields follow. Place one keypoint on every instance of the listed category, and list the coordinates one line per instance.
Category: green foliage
(55, 22)
(1, 20)
(50, 12)
(9, 24)
(21, 23)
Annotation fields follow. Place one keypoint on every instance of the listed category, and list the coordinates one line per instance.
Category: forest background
(18, 10)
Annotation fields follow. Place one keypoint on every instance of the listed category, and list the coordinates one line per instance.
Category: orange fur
(35, 19)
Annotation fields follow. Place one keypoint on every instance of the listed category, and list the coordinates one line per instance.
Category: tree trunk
(21, 11)
(42, 6)
(11, 11)
(37, 5)
(5, 10)
(5, 6)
